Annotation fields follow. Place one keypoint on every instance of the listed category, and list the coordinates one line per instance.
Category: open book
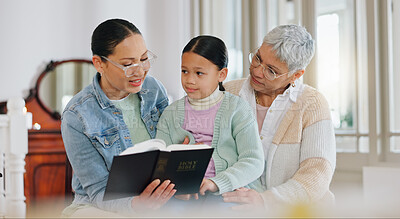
(137, 166)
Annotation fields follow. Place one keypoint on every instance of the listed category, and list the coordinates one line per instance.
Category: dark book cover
(131, 174)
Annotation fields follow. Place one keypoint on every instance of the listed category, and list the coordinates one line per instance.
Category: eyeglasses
(135, 68)
(268, 72)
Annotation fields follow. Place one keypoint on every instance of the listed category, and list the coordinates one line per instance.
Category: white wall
(35, 32)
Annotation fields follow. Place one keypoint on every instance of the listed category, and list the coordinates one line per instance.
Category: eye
(199, 73)
(271, 71)
(184, 72)
(127, 65)
(144, 59)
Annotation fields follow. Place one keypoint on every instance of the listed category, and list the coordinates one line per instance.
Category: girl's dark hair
(211, 48)
(109, 34)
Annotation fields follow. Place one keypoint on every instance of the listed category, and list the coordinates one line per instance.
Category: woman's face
(199, 76)
(258, 80)
(114, 83)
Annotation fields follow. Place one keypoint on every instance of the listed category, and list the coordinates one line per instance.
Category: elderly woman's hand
(207, 185)
(154, 196)
(249, 198)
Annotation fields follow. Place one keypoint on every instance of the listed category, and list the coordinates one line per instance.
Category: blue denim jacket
(94, 131)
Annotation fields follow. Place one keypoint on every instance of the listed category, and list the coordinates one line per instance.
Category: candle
(28, 120)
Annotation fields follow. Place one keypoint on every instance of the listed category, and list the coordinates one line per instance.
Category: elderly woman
(294, 123)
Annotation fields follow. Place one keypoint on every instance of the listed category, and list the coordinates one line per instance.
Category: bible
(136, 167)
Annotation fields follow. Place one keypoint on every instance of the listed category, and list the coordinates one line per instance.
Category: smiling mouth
(190, 90)
(136, 82)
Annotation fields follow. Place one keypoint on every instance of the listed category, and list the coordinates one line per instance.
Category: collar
(293, 92)
(101, 97)
(247, 92)
(207, 102)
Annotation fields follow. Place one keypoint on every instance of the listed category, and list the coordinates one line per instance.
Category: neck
(207, 102)
(112, 93)
(266, 98)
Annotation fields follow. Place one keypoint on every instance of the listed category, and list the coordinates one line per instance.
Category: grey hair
(292, 45)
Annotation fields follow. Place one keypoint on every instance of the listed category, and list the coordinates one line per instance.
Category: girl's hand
(152, 198)
(207, 185)
(187, 196)
(248, 198)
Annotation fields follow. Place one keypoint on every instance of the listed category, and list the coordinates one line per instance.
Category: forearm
(121, 206)
(309, 184)
(250, 161)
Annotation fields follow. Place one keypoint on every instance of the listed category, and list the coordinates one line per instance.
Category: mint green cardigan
(238, 153)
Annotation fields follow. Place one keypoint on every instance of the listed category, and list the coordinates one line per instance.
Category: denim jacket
(94, 131)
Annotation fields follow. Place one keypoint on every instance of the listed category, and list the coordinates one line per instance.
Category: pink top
(201, 124)
(261, 113)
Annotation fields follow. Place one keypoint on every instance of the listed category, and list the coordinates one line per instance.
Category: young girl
(211, 116)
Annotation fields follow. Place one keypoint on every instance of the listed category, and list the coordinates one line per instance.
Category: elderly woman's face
(268, 59)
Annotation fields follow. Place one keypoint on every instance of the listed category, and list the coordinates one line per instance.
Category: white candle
(28, 120)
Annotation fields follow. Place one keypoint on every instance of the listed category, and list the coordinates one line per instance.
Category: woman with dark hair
(119, 109)
(214, 117)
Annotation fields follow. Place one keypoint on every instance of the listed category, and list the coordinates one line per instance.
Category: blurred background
(356, 67)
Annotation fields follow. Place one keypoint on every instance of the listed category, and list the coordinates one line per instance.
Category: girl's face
(200, 77)
(114, 83)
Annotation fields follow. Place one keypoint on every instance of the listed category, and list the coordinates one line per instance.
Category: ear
(222, 74)
(97, 63)
(297, 75)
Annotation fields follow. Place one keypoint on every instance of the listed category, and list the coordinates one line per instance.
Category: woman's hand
(152, 198)
(249, 198)
(207, 185)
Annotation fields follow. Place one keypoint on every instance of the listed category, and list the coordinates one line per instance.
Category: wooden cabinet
(45, 177)
(48, 175)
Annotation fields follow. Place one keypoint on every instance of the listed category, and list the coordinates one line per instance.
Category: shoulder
(82, 99)
(234, 86)
(312, 98)
(154, 91)
(313, 105)
(175, 107)
(237, 101)
(238, 107)
(151, 82)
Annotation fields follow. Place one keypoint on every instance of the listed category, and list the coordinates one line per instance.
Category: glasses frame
(151, 59)
(268, 76)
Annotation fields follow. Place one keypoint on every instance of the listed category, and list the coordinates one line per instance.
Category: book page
(181, 147)
(149, 145)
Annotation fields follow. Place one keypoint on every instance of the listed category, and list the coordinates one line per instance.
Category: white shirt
(275, 114)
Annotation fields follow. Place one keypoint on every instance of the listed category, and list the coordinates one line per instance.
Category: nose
(257, 71)
(139, 72)
(189, 78)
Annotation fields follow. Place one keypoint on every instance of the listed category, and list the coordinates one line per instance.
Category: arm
(163, 131)
(311, 181)
(88, 165)
(91, 171)
(250, 161)
(317, 155)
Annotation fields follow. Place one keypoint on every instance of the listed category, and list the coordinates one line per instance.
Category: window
(394, 77)
(222, 19)
(338, 75)
(356, 65)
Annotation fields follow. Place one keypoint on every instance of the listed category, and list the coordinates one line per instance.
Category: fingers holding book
(154, 196)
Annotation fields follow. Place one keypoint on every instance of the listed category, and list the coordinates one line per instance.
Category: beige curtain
(256, 17)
